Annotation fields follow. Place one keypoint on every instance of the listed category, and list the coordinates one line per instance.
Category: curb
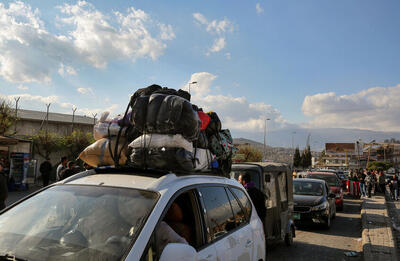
(377, 237)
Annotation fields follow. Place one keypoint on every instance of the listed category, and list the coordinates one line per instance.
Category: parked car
(275, 181)
(334, 184)
(313, 202)
(126, 214)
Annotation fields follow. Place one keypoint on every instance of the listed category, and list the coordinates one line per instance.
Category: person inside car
(172, 229)
(256, 196)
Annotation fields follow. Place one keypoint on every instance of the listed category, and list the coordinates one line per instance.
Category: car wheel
(334, 213)
(289, 237)
(328, 222)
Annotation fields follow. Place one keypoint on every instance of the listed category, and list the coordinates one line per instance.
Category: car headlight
(321, 206)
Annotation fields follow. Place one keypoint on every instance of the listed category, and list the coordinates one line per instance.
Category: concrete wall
(28, 127)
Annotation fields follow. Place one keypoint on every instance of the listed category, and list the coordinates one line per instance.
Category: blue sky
(301, 63)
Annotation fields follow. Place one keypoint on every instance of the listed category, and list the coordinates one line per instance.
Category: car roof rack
(152, 173)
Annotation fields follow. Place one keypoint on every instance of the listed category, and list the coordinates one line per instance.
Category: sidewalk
(377, 237)
(394, 214)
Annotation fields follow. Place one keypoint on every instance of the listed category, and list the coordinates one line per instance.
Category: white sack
(161, 140)
(203, 159)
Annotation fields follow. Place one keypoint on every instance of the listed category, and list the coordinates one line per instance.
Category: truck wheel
(289, 237)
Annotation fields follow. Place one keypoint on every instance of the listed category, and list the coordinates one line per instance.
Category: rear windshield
(254, 175)
(330, 180)
(75, 222)
(308, 188)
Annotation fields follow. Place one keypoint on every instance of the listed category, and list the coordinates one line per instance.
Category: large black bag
(181, 93)
(139, 112)
(201, 142)
(173, 159)
(215, 124)
(149, 90)
(170, 113)
(153, 110)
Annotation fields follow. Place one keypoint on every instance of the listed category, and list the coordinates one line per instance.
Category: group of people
(373, 180)
(64, 170)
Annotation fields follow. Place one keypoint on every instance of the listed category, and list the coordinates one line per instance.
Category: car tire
(334, 213)
(289, 237)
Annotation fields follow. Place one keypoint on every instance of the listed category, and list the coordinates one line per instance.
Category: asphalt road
(317, 243)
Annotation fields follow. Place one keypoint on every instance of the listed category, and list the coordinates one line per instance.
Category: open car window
(81, 222)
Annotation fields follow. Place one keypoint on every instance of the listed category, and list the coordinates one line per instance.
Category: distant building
(32, 122)
(340, 155)
(380, 151)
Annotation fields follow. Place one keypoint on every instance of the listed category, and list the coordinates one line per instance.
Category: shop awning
(8, 141)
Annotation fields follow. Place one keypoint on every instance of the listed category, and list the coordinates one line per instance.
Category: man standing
(369, 182)
(256, 196)
(61, 167)
(361, 179)
(3, 187)
(45, 169)
(68, 172)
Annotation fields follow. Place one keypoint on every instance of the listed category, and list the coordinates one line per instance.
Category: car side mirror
(178, 251)
(267, 178)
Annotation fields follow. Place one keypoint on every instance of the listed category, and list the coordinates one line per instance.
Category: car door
(331, 200)
(232, 240)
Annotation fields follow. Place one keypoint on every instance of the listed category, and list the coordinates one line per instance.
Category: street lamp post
(265, 136)
(190, 84)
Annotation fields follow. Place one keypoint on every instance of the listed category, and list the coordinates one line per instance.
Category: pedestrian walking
(45, 170)
(394, 187)
(382, 182)
(361, 179)
(61, 167)
(3, 187)
(369, 182)
(256, 195)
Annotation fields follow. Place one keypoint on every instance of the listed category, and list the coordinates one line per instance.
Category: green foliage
(306, 158)
(70, 145)
(7, 117)
(248, 154)
(297, 158)
(45, 144)
(392, 140)
(76, 142)
(378, 165)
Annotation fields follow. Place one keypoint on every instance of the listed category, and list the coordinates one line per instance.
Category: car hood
(305, 200)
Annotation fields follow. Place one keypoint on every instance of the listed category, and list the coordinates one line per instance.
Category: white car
(121, 214)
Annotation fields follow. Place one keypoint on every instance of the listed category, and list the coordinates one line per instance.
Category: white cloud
(236, 113)
(22, 87)
(30, 53)
(376, 108)
(259, 9)
(85, 91)
(218, 45)
(228, 56)
(215, 27)
(66, 70)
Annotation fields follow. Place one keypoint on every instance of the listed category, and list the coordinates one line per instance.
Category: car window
(239, 215)
(271, 191)
(330, 179)
(81, 222)
(220, 219)
(282, 186)
(254, 176)
(244, 200)
(308, 188)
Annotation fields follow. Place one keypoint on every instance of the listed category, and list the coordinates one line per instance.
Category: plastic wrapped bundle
(161, 140)
(174, 159)
(98, 153)
(203, 158)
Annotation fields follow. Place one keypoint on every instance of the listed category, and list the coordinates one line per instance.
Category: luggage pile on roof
(162, 130)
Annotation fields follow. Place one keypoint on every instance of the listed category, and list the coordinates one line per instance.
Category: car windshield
(307, 188)
(330, 180)
(75, 222)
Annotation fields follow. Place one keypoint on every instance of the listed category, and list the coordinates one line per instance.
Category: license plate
(296, 216)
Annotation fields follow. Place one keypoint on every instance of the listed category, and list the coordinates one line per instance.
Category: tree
(306, 157)
(7, 117)
(45, 143)
(297, 158)
(392, 140)
(378, 165)
(248, 153)
(75, 143)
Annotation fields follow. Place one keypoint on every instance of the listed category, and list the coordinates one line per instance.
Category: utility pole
(47, 118)
(265, 136)
(190, 84)
(16, 113)
(73, 117)
(94, 118)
